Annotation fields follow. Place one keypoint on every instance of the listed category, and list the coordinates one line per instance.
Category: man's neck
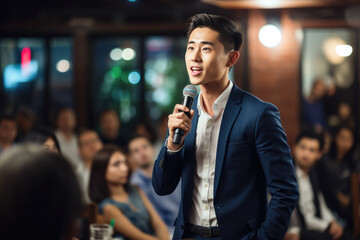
(210, 92)
(88, 163)
(147, 171)
(305, 170)
(67, 134)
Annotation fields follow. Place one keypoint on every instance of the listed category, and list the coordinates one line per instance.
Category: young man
(142, 156)
(8, 132)
(312, 219)
(89, 144)
(65, 133)
(236, 148)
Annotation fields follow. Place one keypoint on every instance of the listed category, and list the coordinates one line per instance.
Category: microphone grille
(190, 91)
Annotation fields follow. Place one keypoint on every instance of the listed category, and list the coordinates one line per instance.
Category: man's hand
(292, 236)
(178, 119)
(335, 230)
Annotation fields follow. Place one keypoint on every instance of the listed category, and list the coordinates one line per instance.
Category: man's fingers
(180, 108)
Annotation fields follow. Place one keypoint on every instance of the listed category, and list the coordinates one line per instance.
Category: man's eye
(190, 48)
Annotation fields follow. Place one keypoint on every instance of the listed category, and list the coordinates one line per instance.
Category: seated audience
(65, 133)
(135, 218)
(45, 137)
(40, 198)
(110, 129)
(89, 145)
(142, 155)
(312, 219)
(335, 173)
(8, 132)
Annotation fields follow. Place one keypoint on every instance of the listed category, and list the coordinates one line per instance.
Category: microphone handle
(179, 133)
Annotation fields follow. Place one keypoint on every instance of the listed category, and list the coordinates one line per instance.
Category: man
(89, 145)
(65, 133)
(110, 129)
(142, 156)
(236, 148)
(312, 219)
(8, 132)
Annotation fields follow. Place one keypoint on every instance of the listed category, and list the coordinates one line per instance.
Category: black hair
(98, 188)
(40, 195)
(8, 117)
(137, 136)
(229, 35)
(333, 148)
(40, 135)
(312, 133)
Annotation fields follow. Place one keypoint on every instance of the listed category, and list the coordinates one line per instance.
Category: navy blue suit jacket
(252, 154)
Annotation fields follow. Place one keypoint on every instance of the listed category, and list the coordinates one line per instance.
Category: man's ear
(233, 58)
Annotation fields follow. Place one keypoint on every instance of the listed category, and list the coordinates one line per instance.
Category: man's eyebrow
(202, 42)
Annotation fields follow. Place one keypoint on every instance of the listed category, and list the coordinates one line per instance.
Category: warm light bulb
(270, 36)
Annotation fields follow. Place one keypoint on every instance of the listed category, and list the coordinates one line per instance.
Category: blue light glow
(134, 78)
(14, 74)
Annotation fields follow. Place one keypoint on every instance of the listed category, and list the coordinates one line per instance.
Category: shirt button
(206, 207)
(206, 185)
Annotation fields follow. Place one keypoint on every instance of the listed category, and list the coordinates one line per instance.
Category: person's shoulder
(253, 102)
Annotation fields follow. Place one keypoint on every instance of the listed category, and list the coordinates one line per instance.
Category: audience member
(144, 128)
(89, 145)
(313, 108)
(40, 198)
(110, 129)
(161, 132)
(25, 119)
(335, 173)
(65, 133)
(135, 218)
(45, 137)
(142, 155)
(8, 132)
(312, 219)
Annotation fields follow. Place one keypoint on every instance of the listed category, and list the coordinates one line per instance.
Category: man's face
(8, 131)
(66, 120)
(90, 144)
(109, 123)
(307, 152)
(141, 152)
(206, 60)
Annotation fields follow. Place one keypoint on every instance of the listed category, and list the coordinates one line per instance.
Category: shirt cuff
(171, 151)
(294, 230)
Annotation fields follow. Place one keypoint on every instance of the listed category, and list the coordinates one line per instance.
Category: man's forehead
(203, 35)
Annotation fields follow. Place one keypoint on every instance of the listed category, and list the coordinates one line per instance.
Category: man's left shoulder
(253, 103)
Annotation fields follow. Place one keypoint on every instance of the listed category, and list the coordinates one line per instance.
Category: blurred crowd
(115, 171)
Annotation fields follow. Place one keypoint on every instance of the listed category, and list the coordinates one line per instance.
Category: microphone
(189, 93)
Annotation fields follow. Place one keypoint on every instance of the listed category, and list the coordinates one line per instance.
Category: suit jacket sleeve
(276, 161)
(167, 171)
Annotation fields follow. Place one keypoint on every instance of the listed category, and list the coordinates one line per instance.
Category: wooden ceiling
(277, 4)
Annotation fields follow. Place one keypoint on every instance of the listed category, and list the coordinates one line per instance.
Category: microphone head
(190, 91)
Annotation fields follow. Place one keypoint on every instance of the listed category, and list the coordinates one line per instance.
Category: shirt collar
(220, 102)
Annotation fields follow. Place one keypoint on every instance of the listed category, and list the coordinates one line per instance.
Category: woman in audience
(335, 173)
(45, 137)
(134, 216)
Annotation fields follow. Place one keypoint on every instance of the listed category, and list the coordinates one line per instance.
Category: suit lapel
(231, 111)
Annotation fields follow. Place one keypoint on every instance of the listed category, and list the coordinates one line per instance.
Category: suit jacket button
(161, 163)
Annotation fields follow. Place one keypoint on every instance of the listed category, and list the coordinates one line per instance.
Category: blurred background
(128, 55)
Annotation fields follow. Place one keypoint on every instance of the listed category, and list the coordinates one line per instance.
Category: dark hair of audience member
(40, 196)
(311, 133)
(98, 188)
(40, 135)
(333, 148)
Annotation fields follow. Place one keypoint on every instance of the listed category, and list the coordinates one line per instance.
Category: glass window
(61, 73)
(165, 74)
(22, 66)
(116, 74)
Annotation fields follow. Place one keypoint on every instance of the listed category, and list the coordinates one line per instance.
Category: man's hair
(229, 35)
(311, 133)
(40, 196)
(7, 117)
(137, 136)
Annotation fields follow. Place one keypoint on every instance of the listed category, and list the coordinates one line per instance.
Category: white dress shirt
(207, 134)
(307, 206)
